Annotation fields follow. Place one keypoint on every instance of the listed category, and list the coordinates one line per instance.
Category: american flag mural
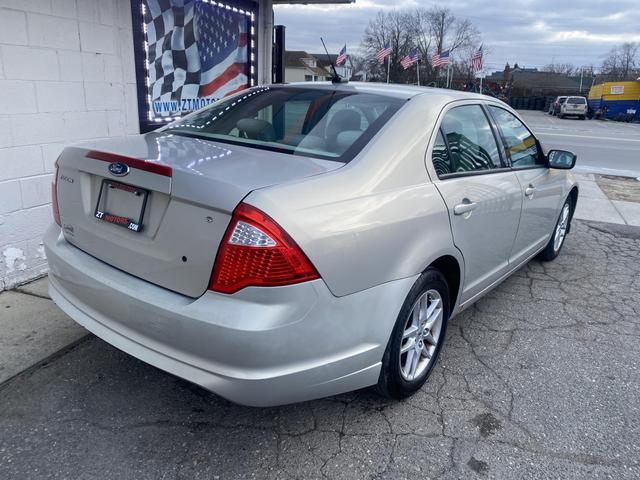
(196, 52)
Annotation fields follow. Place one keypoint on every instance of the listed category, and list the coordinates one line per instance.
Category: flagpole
(388, 66)
(418, 70)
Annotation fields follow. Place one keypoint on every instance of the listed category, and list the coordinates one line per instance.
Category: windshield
(322, 123)
(577, 100)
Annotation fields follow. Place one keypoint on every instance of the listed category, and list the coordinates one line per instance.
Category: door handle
(529, 191)
(465, 207)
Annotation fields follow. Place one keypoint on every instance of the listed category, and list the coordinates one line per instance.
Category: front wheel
(417, 337)
(552, 250)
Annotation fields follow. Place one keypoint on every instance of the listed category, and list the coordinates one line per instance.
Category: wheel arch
(450, 267)
(573, 195)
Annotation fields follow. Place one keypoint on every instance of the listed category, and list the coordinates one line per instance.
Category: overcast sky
(530, 32)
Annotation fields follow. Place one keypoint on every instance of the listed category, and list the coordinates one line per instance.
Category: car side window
(440, 156)
(519, 141)
(472, 146)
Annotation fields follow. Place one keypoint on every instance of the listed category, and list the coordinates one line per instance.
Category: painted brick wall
(66, 75)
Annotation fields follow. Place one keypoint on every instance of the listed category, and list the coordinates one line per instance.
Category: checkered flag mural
(195, 50)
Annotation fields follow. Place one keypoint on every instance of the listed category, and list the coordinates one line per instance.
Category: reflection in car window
(519, 141)
(315, 122)
(440, 156)
(472, 146)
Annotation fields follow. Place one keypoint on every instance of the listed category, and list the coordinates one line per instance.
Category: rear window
(577, 100)
(314, 122)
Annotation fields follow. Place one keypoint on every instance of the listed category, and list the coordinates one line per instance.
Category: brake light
(256, 251)
(54, 197)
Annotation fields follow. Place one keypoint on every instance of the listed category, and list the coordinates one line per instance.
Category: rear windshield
(577, 100)
(321, 123)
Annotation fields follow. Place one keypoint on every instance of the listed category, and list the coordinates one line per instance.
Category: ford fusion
(298, 241)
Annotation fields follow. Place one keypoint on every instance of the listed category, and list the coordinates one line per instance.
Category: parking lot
(541, 379)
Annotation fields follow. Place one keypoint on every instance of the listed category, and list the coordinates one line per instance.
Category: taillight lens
(256, 251)
(54, 197)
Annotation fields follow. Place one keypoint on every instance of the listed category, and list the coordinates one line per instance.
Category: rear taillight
(256, 251)
(54, 197)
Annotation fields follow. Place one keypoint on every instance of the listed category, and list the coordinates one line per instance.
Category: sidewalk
(33, 328)
(596, 205)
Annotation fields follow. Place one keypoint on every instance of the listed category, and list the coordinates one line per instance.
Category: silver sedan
(297, 241)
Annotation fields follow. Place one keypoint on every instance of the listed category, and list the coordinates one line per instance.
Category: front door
(541, 186)
(482, 195)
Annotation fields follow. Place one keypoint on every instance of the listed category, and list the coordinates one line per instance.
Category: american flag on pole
(383, 53)
(410, 59)
(476, 60)
(195, 49)
(342, 56)
(441, 58)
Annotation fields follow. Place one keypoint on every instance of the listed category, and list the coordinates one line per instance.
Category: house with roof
(301, 66)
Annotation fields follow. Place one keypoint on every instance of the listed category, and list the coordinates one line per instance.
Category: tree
(392, 28)
(622, 62)
(563, 68)
(438, 29)
(428, 30)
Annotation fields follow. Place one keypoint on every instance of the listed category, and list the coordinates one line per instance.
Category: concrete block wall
(66, 75)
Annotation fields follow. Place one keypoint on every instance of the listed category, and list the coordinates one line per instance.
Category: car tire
(403, 373)
(560, 230)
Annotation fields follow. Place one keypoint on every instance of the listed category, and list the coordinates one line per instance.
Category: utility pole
(581, 72)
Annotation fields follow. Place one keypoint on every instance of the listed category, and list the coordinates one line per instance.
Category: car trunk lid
(185, 190)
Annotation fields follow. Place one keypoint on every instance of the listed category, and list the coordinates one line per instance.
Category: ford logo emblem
(118, 169)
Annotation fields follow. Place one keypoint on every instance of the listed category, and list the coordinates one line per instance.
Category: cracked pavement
(540, 379)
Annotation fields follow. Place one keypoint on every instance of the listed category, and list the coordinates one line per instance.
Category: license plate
(121, 204)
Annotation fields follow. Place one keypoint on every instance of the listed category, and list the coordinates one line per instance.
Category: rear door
(541, 186)
(482, 194)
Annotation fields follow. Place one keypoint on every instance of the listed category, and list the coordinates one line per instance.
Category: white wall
(66, 74)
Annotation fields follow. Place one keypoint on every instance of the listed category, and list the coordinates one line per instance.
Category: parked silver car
(293, 242)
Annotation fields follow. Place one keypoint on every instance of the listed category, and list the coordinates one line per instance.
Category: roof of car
(392, 90)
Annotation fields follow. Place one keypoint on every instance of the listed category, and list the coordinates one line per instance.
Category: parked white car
(574, 106)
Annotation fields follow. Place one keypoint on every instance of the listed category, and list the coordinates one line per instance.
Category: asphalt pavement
(606, 147)
(540, 379)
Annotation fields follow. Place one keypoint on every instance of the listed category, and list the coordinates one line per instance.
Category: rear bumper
(259, 347)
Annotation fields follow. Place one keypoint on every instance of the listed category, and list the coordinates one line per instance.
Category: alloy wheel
(561, 228)
(421, 335)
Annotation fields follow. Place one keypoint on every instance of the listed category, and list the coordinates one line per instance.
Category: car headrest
(343, 120)
(257, 129)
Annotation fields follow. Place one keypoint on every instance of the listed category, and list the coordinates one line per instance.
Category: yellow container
(614, 91)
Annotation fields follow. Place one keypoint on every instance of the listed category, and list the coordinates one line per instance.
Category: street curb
(45, 361)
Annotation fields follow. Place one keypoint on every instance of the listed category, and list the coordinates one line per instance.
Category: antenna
(336, 78)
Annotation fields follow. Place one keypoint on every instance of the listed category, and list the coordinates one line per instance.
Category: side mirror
(561, 159)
